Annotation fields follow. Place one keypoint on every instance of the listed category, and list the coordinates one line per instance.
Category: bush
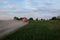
(36, 19)
(53, 18)
(16, 18)
(30, 18)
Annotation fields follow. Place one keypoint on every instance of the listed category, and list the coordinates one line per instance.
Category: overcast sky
(29, 8)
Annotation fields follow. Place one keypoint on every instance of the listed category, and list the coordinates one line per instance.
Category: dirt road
(9, 26)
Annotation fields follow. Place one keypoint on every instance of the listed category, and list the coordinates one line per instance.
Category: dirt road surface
(8, 26)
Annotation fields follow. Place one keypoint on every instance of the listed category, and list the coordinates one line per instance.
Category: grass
(37, 30)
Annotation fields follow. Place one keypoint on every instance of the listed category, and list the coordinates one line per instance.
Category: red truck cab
(24, 19)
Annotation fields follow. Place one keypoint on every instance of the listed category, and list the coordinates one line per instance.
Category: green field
(37, 30)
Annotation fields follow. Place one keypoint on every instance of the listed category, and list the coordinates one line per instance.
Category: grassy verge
(37, 30)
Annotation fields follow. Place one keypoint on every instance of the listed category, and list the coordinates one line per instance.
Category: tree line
(53, 18)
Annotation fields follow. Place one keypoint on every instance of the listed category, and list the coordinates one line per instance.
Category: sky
(29, 8)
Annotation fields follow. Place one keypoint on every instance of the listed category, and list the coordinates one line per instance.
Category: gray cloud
(36, 9)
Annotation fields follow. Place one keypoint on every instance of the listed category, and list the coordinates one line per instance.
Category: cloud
(29, 8)
(8, 5)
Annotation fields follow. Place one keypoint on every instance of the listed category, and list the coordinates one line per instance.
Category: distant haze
(29, 8)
